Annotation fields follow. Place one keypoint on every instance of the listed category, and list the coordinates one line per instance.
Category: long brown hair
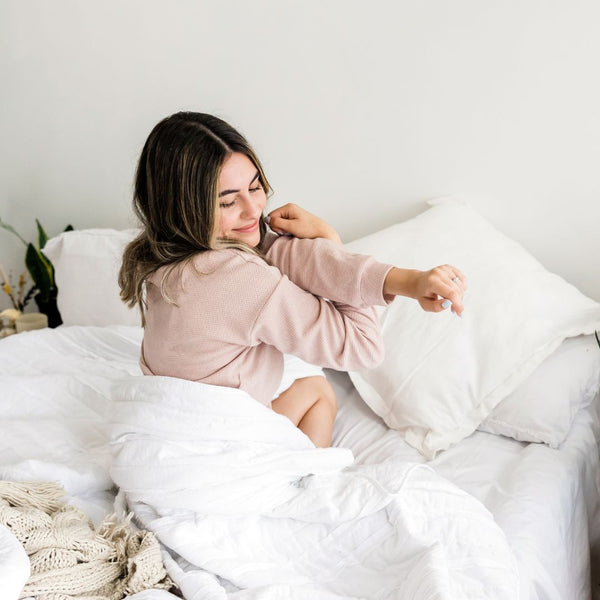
(176, 197)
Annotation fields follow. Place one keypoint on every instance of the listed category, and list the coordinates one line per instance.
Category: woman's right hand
(435, 290)
(300, 223)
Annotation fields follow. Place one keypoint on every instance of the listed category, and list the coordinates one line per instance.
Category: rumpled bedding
(57, 402)
(236, 490)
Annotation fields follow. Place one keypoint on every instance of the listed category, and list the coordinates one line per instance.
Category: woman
(223, 298)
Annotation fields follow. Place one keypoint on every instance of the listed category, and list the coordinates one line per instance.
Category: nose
(251, 207)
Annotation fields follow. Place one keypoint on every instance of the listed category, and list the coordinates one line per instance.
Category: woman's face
(241, 200)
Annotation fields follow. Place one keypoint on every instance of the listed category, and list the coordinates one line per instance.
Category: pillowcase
(443, 375)
(86, 264)
(543, 407)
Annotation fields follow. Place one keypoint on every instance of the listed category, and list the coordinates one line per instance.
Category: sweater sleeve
(329, 334)
(327, 269)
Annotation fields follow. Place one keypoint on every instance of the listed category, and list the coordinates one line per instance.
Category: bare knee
(326, 393)
(320, 390)
(304, 394)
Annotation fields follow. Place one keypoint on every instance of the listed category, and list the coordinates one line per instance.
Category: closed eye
(250, 189)
(226, 204)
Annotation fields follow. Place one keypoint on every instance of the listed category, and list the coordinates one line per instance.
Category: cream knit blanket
(69, 558)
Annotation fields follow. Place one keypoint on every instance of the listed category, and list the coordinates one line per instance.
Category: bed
(465, 466)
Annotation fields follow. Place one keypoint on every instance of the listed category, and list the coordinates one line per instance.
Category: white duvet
(238, 491)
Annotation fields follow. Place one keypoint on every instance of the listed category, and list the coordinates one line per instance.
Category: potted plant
(41, 272)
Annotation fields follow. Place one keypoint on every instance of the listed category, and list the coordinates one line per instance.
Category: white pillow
(443, 375)
(543, 407)
(87, 264)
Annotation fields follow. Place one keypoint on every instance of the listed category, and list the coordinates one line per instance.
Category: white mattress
(543, 499)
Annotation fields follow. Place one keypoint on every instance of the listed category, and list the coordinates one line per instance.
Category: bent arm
(327, 269)
(328, 334)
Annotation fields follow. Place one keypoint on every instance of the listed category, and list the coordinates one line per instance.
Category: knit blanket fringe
(69, 558)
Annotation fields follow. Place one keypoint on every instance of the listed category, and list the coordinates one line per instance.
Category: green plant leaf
(40, 269)
(11, 229)
(42, 237)
(51, 268)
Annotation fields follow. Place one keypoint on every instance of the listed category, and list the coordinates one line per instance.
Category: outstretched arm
(435, 290)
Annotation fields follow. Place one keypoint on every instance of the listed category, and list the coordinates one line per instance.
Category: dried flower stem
(3, 276)
(6, 287)
(21, 301)
(28, 296)
(8, 291)
(22, 279)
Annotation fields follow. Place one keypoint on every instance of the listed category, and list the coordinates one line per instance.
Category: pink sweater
(235, 314)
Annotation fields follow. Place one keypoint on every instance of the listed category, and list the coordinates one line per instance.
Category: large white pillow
(543, 407)
(87, 264)
(443, 375)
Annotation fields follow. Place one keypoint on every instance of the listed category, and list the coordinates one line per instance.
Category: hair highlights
(176, 197)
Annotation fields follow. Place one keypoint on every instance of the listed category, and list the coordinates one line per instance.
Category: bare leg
(310, 404)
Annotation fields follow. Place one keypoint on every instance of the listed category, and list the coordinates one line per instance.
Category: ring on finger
(456, 279)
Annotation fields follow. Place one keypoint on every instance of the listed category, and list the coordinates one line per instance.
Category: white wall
(359, 110)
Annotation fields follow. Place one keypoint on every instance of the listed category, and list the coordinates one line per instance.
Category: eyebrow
(225, 192)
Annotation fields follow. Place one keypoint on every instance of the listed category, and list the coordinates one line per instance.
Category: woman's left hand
(435, 290)
(293, 219)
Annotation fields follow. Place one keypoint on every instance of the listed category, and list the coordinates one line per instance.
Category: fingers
(447, 286)
(287, 211)
(454, 275)
(459, 283)
(438, 305)
(458, 278)
(284, 219)
(293, 220)
(282, 225)
(452, 299)
(431, 305)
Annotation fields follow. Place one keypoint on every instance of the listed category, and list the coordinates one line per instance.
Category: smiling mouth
(248, 229)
